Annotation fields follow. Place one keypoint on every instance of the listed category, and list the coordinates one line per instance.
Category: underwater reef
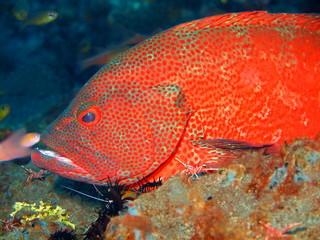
(263, 197)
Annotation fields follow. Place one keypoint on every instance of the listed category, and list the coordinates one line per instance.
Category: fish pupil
(89, 117)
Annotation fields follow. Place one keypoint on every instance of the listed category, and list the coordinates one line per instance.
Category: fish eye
(52, 14)
(90, 117)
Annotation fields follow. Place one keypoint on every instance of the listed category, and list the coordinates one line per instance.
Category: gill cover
(145, 127)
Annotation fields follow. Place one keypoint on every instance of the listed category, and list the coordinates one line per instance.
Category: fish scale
(199, 93)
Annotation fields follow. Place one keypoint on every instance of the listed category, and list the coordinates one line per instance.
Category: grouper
(191, 97)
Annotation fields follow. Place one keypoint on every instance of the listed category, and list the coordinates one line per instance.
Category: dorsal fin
(307, 21)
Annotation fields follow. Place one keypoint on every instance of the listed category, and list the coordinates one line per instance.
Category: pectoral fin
(222, 152)
(229, 144)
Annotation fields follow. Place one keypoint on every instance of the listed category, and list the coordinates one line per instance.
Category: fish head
(113, 130)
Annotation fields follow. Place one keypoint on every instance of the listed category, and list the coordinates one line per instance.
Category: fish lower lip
(59, 164)
(53, 154)
(56, 155)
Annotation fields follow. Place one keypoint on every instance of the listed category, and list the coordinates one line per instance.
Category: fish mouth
(59, 164)
(54, 157)
(71, 159)
(46, 153)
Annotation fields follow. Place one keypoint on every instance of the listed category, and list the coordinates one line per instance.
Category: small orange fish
(103, 57)
(17, 145)
(112, 52)
(137, 38)
(29, 139)
(192, 96)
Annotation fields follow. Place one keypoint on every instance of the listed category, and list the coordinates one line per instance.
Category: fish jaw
(67, 159)
(58, 164)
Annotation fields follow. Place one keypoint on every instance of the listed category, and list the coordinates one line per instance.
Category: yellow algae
(42, 211)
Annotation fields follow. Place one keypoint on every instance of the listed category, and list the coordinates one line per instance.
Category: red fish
(196, 93)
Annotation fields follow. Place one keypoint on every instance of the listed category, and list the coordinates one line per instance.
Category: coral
(40, 212)
(137, 227)
(234, 203)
